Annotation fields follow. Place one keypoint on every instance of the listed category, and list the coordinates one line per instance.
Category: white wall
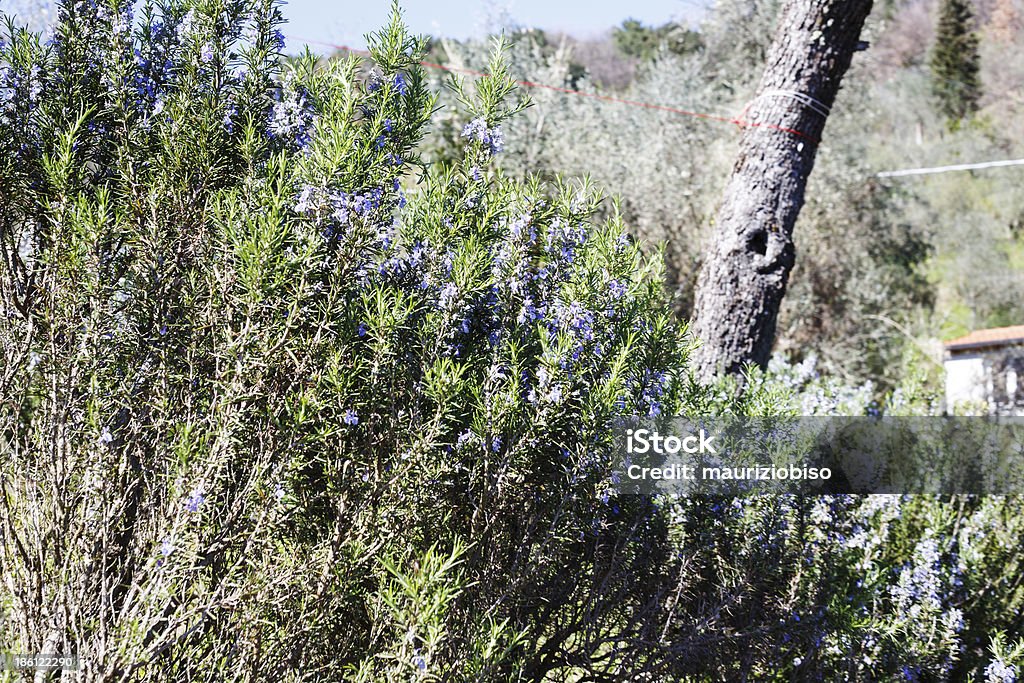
(966, 380)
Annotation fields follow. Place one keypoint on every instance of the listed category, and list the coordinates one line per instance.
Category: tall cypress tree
(955, 61)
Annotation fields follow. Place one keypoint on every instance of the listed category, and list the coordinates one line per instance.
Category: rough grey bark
(747, 266)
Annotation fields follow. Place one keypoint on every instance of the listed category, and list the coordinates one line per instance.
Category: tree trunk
(747, 266)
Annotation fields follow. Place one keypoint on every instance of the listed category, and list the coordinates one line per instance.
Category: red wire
(738, 121)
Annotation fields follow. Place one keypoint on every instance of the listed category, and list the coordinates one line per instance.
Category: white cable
(816, 106)
(955, 167)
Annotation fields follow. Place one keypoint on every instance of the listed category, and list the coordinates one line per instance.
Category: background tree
(955, 61)
(744, 278)
(636, 40)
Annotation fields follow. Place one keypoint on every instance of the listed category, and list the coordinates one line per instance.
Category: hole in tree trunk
(758, 242)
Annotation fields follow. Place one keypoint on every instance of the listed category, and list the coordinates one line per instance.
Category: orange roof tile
(996, 336)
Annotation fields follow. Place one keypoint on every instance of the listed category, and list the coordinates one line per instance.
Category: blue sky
(346, 21)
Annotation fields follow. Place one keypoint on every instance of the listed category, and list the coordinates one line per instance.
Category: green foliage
(636, 40)
(954, 61)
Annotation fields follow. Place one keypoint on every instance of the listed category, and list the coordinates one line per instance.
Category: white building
(984, 370)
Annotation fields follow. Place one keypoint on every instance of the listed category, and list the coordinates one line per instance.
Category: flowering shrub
(259, 374)
(280, 402)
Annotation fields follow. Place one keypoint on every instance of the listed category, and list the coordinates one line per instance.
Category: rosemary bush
(279, 402)
(278, 392)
